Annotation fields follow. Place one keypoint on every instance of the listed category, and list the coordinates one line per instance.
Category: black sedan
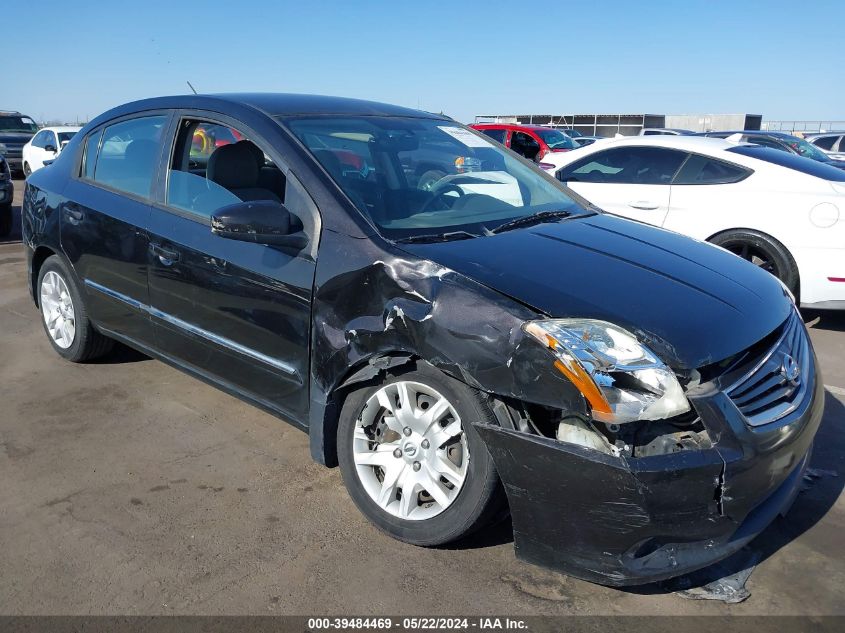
(646, 402)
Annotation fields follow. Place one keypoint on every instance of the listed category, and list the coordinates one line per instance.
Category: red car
(531, 141)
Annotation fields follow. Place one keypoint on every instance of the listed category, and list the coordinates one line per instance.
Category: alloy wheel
(410, 450)
(57, 310)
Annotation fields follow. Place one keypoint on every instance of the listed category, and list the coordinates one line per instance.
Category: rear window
(792, 161)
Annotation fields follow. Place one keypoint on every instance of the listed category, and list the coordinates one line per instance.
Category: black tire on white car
(764, 251)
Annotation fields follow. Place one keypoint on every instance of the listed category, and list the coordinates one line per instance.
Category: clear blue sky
(781, 59)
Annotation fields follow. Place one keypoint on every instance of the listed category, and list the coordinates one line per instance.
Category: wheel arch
(768, 235)
(325, 415)
(39, 256)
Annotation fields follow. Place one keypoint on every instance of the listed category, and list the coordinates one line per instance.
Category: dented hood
(691, 302)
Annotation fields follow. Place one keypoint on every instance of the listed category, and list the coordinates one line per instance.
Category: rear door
(235, 312)
(105, 218)
(630, 181)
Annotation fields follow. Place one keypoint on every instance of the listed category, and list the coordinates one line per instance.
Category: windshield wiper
(528, 220)
(437, 237)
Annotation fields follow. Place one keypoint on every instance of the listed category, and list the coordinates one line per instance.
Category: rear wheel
(763, 251)
(64, 315)
(5, 219)
(412, 460)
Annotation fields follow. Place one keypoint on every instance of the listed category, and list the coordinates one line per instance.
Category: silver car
(831, 143)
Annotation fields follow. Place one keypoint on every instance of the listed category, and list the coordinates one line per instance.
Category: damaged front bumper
(620, 520)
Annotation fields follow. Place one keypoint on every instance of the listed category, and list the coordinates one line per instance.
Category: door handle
(645, 205)
(73, 214)
(166, 256)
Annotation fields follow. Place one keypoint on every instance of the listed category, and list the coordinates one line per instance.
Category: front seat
(235, 168)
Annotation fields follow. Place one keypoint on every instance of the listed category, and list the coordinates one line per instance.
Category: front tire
(65, 316)
(764, 251)
(412, 460)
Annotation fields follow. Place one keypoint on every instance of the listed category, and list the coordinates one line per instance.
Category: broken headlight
(620, 377)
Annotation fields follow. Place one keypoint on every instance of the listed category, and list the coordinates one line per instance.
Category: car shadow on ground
(831, 320)
(15, 235)
(821, 488)
(120, 355)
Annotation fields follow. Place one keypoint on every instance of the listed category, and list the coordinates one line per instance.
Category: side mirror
(261, 222)
(50, 148)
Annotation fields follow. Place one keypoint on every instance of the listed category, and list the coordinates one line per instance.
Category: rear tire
(454, 486)
(65, 316)
(764, 251)
(5, 219)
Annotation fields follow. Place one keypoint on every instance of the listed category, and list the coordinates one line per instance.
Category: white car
(45, 146)
(781, 211)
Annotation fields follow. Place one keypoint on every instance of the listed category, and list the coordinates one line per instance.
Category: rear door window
(496, 135)
(129, 154)
(628, 165)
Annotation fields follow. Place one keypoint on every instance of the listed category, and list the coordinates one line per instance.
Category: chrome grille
(777, 383)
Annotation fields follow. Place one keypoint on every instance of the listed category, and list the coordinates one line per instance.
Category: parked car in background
(780, 141)
(831, 143)
(7, 193)
(15, 131)
(583, 141)
(664, 131)
(489, 334)
(778, 210)
(45, 146)
(532, 141)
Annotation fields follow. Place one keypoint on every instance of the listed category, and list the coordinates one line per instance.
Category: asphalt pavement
(127, 487)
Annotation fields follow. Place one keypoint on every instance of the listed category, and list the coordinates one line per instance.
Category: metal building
(629, 124)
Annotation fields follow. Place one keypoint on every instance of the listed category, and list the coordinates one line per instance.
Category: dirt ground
(127, 487)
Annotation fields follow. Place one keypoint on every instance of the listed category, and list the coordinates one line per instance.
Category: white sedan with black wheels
(777, 210)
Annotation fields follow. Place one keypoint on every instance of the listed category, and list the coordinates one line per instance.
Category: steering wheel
(441, 192)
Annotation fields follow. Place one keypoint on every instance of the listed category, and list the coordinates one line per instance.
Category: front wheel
(65, 316)
(763, 251)
(413, 462)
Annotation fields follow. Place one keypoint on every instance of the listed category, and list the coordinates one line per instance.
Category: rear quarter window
(792, 161)
(705, 170)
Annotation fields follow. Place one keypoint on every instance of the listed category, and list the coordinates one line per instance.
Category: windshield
(17, 124)
(415, 177)
(555, 139)
(806, 149)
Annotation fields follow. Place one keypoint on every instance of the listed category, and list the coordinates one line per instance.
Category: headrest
(233, 166)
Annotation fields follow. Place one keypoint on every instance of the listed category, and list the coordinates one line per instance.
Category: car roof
(823, 134)
(682, 142)
(755, 133)
(512, 126)
(61, 128)
(272, 104)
